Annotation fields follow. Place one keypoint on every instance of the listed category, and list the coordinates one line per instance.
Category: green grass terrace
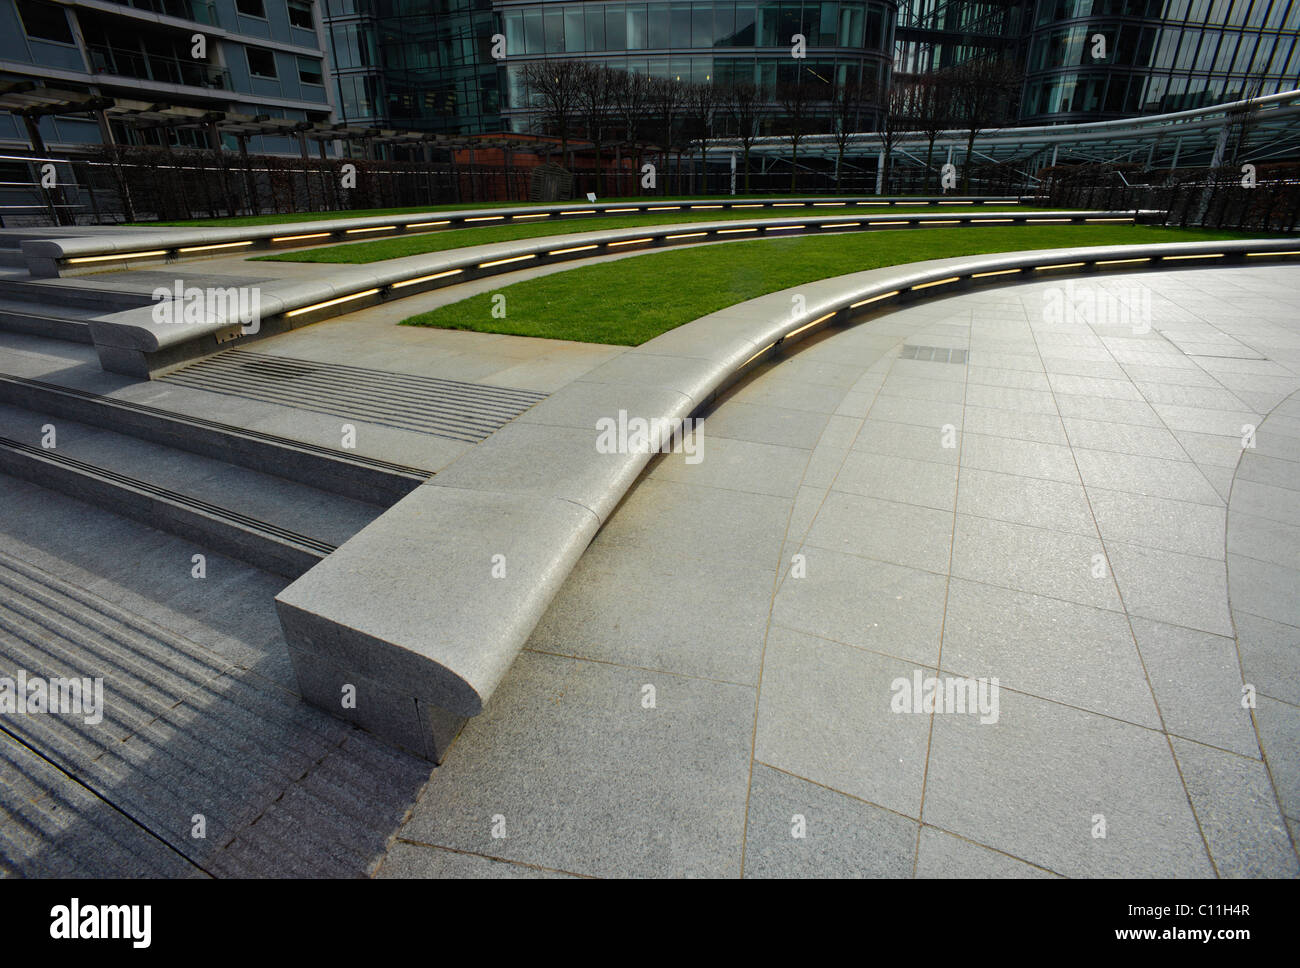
(632, 300)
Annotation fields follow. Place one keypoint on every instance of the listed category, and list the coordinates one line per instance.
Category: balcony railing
(200, 11)
(125, 62)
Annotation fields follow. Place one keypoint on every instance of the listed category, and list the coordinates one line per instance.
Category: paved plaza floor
(1102, 518)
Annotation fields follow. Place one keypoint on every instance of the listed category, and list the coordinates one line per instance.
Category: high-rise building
(233, 57)
(1091, 60)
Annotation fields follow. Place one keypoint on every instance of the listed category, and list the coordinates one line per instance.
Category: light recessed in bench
(576, 248)
(120, 255)
(219, 245)
(436, 275)
(331, 302)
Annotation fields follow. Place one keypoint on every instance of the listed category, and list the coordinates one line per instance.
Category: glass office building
(427, 64)
(1159, 56)
(720, 42)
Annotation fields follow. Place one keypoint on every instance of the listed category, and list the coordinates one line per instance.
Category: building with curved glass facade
(1160, 55)
(721, 42)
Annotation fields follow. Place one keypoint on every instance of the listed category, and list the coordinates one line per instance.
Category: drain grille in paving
(936, 354)
(427, 405)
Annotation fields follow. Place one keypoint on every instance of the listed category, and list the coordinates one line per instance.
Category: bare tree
(595, 90)
(797, 102)
(631, 98)
(984, 93)
(702, 102)
(553, 86)
(849, 116)
(932, 109)
(668, 97)
(893, 122)
(745, 105)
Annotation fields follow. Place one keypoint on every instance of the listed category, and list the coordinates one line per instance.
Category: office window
(554, 31)
(638, 31)
(261, 62)
(573, 30)
(534, 34)
(680, 26)
(45, 21)
(659, 26)
(616, 28)
(300, 14)
(251, 8)
(309, 71)
(595, 28)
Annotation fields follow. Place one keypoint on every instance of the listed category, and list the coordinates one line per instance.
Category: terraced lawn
(633, 300)
(357, 253)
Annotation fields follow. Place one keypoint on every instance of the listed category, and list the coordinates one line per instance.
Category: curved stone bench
(422, 612)
(143, 246)
(134, 343)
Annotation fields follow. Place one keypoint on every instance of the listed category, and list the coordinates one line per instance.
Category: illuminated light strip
(501, 262)
(989, 221)
(332, 302)
(758, 354)
(629, 242)
(886, 295)
(1108, 219)
(796, 332)
(888, 223)
(1061, 265)
(956, 203)
(686, 235)
(581, 211)
(377, 228)
(1170, 258)
(1254, 255)
(114, 258)
(663, 208)
(997, 272)
(839, 225)
(1123, 262)
(540, 215)
(939, 221)
(871, 203)
(576, 248)
(425, 225)
(204, 248)
(828, 204)
(788, 204)
(485, 218)
(609, 210)
(297, 238)
(734, 231)
(749, 205)
(436, 275)
(1030, 218)
(939, 282)
(705, 206)
(783, 228)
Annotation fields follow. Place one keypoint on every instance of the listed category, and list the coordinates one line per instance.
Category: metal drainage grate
(427, 405)
(935, 354)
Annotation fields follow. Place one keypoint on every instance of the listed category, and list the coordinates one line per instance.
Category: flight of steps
(278, 504)
(57, 308)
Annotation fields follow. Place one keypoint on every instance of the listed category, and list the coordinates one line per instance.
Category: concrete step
(279, 525)
(351, 475)
(43, 319)
(86, 292)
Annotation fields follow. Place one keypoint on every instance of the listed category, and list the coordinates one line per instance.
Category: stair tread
(300, 508)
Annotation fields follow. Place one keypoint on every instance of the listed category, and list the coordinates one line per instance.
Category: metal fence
(1205, 197)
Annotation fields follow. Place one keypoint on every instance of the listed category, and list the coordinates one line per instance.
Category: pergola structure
(1266, 128)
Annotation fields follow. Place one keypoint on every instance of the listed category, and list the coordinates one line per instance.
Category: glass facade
(717, 42)
(427, 64)
(1156, 56)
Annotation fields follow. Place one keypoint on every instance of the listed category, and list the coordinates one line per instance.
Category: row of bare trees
(604, 106)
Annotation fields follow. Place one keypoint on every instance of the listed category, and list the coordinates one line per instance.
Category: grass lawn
(354, 253)
(455, 207)
(632, 300)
